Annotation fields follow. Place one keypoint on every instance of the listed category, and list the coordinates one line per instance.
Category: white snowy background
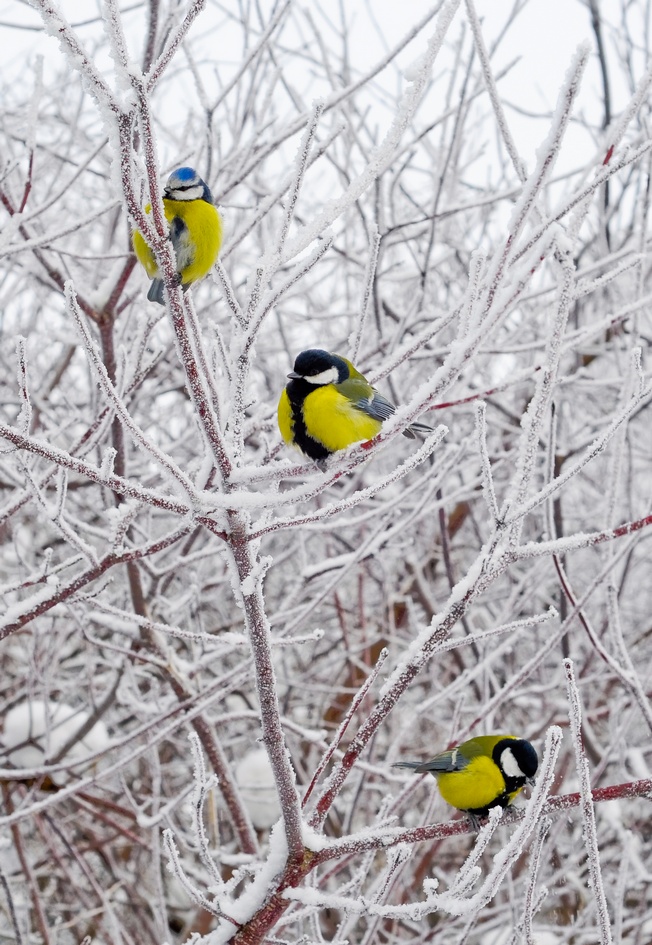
(211, 650)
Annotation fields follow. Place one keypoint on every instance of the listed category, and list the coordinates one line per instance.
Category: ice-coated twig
(469, 872)
(561, 546)
(230, 296)
(71, 533)
(250, 571)
(459, 353)
(590, 832)
(627, 675)
(362, 495)
(300, 166)
(385, 152)
(618, 128)
(354, 457)
(487, 478)
(24, 418)
(533, 901)
(423, 648)
(176, 475)
(344, 724)
(593, 450)
(381, 838)
(11, 908)
(616, 459)
(586, 286)
(334, 99)
(158, 730)
(94, 473)
(620, 895)
(263, 303)
(396, 859)
(265, 206)
(253, 53)
(199, 349)
(497, 653)
(178, 871)
(471, 295)
(16, 616)
(547, 154)
(553, 639)
(379, 536)
(629, 672)
(501, 119)
(580, 200)
(174, 41)
(534, 418)
(58, 27)
(202, 786)
(367, 291)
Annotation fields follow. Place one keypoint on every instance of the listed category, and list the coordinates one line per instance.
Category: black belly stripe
(501, 801)
(297, 392)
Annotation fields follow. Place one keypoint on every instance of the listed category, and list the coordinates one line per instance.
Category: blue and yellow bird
(481, 773)
(328, 405)
(195, 231)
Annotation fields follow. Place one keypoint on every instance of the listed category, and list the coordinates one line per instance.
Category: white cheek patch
(331, 376)
(509, 764)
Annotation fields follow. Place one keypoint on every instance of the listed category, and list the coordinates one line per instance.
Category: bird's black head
(318, 367)
(517, 760)
(186, 184)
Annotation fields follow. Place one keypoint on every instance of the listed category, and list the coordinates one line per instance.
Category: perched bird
(484, 772)
(328, 405)
(195, 231)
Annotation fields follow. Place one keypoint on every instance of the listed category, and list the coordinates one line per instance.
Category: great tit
(484, 772)
(195, 231)
(328, 405)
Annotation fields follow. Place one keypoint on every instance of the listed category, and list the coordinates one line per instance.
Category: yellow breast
(204, 237)
(204, 234)
(474, 787)
(335, 421)
(285, 422)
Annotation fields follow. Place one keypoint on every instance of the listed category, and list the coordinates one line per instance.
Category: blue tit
(484, 772)
(195, 231)
(328, 405)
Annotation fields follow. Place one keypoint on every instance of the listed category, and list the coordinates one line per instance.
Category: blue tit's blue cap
(185, 173)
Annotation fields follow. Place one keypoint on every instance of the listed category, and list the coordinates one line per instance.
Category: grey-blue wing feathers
(184, 252)
(382, 409)
(377, 406)
(183, 248)
(447, 761)
(155, 293)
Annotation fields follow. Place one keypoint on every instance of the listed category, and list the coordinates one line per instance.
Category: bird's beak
(294, 376)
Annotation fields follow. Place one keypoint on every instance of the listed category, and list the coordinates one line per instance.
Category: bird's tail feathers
(418, 429)
(155, 293)
(407, 764)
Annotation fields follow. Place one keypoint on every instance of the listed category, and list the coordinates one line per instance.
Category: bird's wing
(183, 248)
(379, 407)
(452, 760)
(363, 396)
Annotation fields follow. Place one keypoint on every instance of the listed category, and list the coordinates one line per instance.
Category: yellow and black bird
(328, 405)
(481, 773)
(195, 231)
